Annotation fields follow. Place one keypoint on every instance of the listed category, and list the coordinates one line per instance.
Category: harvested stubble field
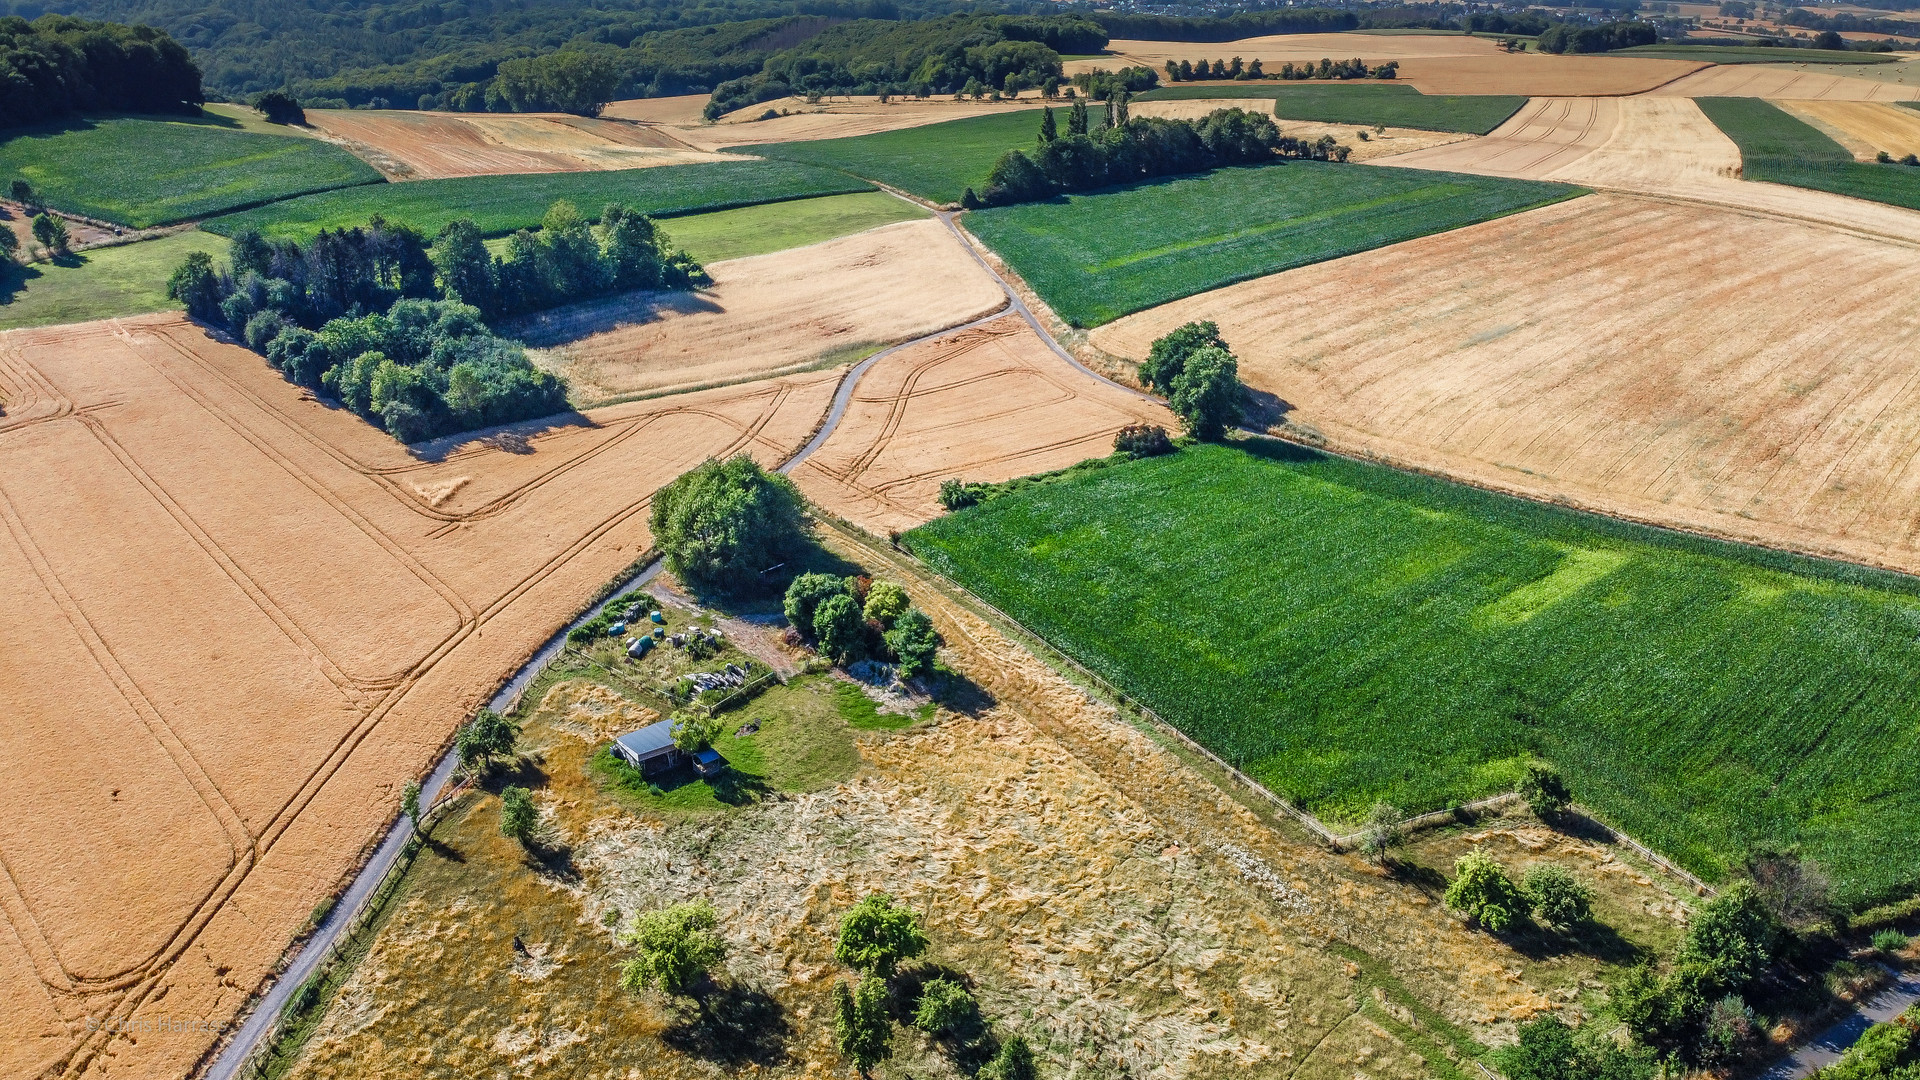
(1752, 80)
(934, 161)
(842, 117)
(1531, 74)
(1777, 147)
(502, 204)
(1863, 127)
(1394, 140)
(982, 405)
(1774, 406)
(825, 304)
(1094, 258)
(1347, 632)
(1347, 103)
(1108, 902)
(242, 619)
(147, 171)
(433, 145)
(1274, 49)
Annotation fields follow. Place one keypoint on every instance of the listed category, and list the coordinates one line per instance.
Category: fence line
(752, 687)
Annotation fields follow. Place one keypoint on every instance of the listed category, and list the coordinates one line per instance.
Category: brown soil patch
(1802, 83)
(1375, 145)
(428, 145)
(1541, 74)
(239, 621)
(1107, 901)
(1863, 127)
(1740, 374)
(1273, 49)
(985, 404)
(769, 313)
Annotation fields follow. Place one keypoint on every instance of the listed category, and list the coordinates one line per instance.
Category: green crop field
(1758, 54)
(757, 230)
(103, 283)
(145, 171)
(1361, 103)
(1097, 257)
(1778, 148)
(1348, 633)
(501, 204)
(935, 161)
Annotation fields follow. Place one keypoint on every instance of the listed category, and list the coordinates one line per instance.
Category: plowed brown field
(237, 621)
(985, 404)
(1863, 127)
(1375, 145)
(1767, 81)
(1742, 374)
(769, 314)
(428, 145)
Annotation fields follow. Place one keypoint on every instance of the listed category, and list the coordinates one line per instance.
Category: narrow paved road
(1833, 1042)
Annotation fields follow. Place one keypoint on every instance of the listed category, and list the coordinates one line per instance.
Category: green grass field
(1361, 103)
(501, 204)
(1780, 149)
(103, 283)
(1347, 632)
(148, 171)
(1097, 257)
(757, 230)
(935, 161)
(1758, 54)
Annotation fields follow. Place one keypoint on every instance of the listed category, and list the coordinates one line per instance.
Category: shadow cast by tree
(733, 1024)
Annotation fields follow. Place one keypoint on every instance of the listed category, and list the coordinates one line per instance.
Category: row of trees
(58, 65)
(849, 618)
(1126, 149)
(1235, 69)
(1565, 38)
(1355, 68)
(397, 330)
(1238, 69)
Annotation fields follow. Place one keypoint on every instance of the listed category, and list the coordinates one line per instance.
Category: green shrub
(1889, 940)
(804, 595)
(724, 522)
(1013, 1062)
(1558, 898)
(693, 733)
(838, 628)
(1382, 831)
(676, 946)
(886, 602)
(944, 1005)
(877, 935)
(1662, 1011)
(862, 1027)
(517, 815)
(1483, 892)
(1142, 440)
(1728, 1032)
(1883, 1052)
(1732, 938)
(1545, 791)
(954, 494)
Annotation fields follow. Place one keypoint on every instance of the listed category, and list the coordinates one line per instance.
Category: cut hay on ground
(1863, 127)
(1394, 140)
(1744, 375)
(985, 404)
(769, 313)
(430, 145)
(1767, 81)
(238, 621)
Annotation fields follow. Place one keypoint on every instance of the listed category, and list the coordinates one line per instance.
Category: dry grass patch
(1863, 127)
(825, 303)
(1394, 140)
(1797, 83)
(982, 405)
(1773, 404)
(241, 620)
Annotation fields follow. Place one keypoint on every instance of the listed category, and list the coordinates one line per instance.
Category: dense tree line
(933, 56)
(1527, 23)
(1124, 149)
(1564, 38)
(1101, 84)
(1355, 68)
(397, 330)
(1236, 69)
(57, 65)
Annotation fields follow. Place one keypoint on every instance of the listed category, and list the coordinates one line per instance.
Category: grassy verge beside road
(501, 204)
(1347, 632)
(145, 171)
(1362, 103)
(1781, 149)
(1095, 258)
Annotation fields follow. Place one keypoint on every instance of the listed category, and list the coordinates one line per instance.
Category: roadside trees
(488, 736)
(1206, 394)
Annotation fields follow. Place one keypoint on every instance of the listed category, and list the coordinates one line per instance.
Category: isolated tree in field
(725, 522)
(517, 815)
(944, 1005)
(196, 286)
(1206, 394)
(1483, 892)
(674, 947)
(838, 628)
(1558, 898)
(693, 733)
(51, 232)
(1048, 130)
(861, 1026)
(805, 594)
(1545, 792)
(886, 602)
(21, 192)
(410, 802)
(489, 735)
(1013, 1062)
(913, 643)
(1168, 355)
(1381, 833)
(279, 107)
(877, 934)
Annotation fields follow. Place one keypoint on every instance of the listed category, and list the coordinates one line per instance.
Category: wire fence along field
(1345, 633)
(1094, 258)
(145, 172)
(1781, 149)
(1393, 106)
(502, 204)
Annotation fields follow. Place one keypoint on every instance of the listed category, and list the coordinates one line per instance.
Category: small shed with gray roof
(649, 749)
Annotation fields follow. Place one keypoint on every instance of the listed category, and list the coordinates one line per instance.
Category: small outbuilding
(708, 762)
(649, 749)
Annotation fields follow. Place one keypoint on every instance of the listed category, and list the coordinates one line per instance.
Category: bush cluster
(58, 65)
(1126, 149)
(1200, 377)
(566, 260)
(1550, 1050)
(850, 618)
(1142, 440)
(1102, 85)
(1565, 38)
(1355, 68)
(1482, 891)
(1693, 1008)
